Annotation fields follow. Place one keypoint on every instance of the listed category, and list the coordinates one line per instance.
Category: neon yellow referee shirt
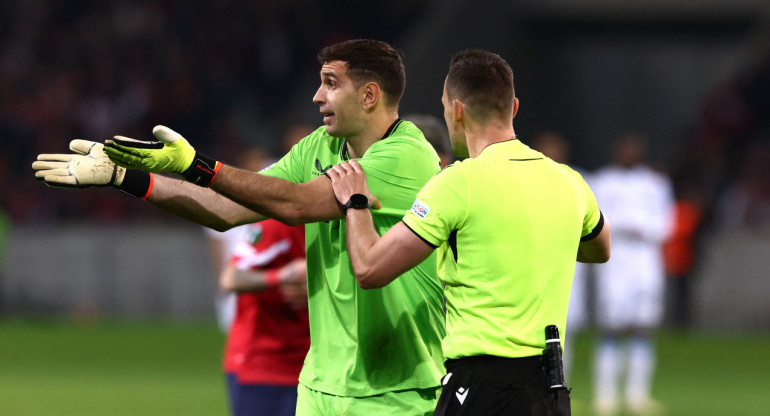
(507, 224)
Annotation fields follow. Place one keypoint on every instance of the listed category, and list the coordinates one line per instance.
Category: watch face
(359, 201)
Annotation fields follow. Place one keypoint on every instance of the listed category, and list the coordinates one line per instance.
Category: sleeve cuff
(419, 236)
(596, 230)
(137, 183)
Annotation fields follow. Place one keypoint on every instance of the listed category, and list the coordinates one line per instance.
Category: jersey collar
(344, 150)
(504, 141)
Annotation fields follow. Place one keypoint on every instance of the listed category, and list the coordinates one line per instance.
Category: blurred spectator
(221, 71)
(726, 156)
(746, 202)
(221, 247)
(638, 202)
(293, 134)
(680, 253)
(270, 336)
(266, 321)
(437, 135)
(222, 244)
(554, 146)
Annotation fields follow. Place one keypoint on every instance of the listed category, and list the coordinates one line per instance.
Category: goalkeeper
(372, 352)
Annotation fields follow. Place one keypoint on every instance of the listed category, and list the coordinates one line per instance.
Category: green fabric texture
(368, 342)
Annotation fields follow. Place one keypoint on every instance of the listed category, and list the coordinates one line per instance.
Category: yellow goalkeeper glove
(171, 154)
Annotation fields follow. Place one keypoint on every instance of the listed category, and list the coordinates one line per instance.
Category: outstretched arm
(292, 203)
(88, 166)
(288, 202)
(376, 260)
(200, 205)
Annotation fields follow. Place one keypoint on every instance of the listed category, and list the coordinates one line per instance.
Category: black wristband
(137, 183)
(202, 171)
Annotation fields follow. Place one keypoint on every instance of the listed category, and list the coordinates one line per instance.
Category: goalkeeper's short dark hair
(370, 60)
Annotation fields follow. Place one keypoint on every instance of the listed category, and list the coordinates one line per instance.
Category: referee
(508, 223)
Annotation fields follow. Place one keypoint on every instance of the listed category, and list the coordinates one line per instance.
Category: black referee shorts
(487, 386)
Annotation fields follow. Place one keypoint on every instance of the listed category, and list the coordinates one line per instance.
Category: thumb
(82, 146)
(165, 134)
(374, 202)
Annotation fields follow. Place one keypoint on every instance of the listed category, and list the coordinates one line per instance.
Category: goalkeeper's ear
(82, 147)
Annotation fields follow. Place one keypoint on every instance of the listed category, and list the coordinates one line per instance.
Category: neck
(481, 137)
(376, 127)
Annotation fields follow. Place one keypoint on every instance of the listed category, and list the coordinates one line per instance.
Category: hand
(172, 153)
(293, 284)
(88, 166)
(348, 178)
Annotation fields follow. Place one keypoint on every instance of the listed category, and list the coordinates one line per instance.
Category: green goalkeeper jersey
(367, 342)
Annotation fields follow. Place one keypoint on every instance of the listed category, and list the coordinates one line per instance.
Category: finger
(82, 147)
(127, 143)
(58, 157)
(333, 174)
(40, 174)
(165, 134)
(356, 167)
(119, 158)
(338, 170)
(345, 166)
(61, 171)
(121, 154)
(374, 202)
(47, 165)
(60, 181)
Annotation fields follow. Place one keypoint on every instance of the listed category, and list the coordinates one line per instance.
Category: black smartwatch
(356, 201)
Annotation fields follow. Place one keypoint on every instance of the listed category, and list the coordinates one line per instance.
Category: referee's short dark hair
(370, 61)
(483, 81)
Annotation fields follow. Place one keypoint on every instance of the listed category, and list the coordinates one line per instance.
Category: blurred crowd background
(224, 73)
(234, 74)
(691, 77)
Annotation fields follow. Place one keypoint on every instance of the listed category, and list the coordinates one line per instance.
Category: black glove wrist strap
(202, 171)
(137, 183)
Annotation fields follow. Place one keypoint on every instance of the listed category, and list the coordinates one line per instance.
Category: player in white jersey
(639, 202)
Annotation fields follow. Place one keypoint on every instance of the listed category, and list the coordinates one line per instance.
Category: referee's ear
(458, 111)
(515, 107)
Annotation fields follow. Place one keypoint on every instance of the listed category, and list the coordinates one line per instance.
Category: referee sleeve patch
(419, 208)
(596, 230)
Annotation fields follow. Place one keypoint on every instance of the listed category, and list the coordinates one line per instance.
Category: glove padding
(88, 166)
(172, 153)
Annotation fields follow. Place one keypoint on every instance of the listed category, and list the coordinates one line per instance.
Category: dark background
(694, 77)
